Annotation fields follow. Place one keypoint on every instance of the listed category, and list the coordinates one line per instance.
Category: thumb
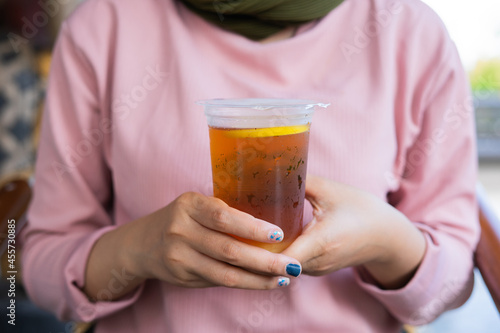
(304, 247)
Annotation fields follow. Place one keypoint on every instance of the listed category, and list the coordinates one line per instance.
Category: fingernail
(275, 235)
(293, 269)
(283, 282)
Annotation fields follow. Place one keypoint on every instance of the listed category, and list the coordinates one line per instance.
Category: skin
(186, 242)
(351, 227)
(286, 33)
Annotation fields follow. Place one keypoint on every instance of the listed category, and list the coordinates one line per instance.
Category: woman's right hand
(187, 244)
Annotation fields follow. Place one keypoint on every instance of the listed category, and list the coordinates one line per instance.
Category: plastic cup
(259, 159)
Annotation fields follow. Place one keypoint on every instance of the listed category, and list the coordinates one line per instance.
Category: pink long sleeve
(72, 204)
(122, 137)
(435, 176)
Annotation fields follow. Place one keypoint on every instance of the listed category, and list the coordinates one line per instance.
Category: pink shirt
(122, 137)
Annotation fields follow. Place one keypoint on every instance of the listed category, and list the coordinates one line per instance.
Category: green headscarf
(258, 19)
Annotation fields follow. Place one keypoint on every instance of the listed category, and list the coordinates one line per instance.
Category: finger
(225, 248)
(306, 250)
(214, 214)
(222, 274)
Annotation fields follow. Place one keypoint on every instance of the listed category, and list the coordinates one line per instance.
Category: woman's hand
(187, 244)
(351, 228)
(194, 249)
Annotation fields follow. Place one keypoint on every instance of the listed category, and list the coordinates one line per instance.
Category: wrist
(134, 254)
(108, 274)
(401, 249)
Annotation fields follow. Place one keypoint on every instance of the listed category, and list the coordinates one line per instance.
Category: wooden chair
(487, 256)
(15, 196)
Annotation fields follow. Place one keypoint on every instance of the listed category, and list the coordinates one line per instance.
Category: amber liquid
(263, 176)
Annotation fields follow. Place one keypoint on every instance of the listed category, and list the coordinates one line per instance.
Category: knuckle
(255, 231)
(177, 230)
(221, 218)
(230, 278)
(181, 279)
(273, 265)
(177, 269)
(231, 251)
(269, 285)
(186, 196)
(173, 232)
(197, 200)
(185, 278)
(187, 199)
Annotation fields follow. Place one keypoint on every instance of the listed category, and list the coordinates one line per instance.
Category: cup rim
(260, 103)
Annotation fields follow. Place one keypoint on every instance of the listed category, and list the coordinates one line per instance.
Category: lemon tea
(262, 171)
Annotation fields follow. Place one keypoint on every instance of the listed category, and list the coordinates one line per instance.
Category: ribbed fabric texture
(144, 67)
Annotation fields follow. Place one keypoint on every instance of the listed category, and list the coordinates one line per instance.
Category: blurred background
(29, 28)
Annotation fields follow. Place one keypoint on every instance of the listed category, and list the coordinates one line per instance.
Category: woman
(123, 230)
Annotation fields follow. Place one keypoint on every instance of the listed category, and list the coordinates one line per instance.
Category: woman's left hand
(351, 228)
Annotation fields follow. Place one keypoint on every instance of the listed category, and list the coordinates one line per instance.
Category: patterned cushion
(20, 94)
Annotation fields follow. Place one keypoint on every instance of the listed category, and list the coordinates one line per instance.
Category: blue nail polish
(293, 269)
(283, 282)
(275, 236)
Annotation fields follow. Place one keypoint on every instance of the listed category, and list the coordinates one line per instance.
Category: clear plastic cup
(259, 159)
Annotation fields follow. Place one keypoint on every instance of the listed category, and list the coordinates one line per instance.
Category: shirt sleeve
(73, 200)
(435, 181)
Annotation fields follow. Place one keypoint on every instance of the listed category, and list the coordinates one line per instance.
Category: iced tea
(262, 171)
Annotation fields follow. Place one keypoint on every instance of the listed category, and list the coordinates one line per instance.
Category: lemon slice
(266, 132)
